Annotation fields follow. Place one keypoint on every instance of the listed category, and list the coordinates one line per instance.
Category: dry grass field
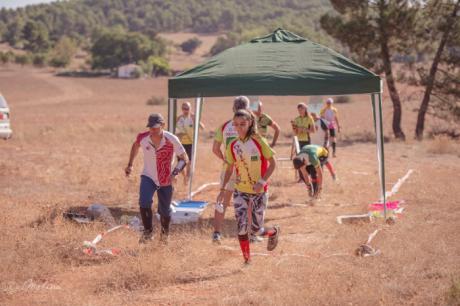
(71, 141)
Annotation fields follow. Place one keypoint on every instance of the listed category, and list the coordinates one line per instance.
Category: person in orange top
(254, 163)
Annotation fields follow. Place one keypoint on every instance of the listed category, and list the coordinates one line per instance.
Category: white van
(5, 129)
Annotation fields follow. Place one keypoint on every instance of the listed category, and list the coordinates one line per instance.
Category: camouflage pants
(241, 202)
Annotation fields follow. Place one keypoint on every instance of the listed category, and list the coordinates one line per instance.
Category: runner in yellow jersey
(264, 121)
(303, 125)
(225, 134)
(254, 162)
(184, 131)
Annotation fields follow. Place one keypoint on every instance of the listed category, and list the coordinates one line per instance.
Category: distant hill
(82, 18)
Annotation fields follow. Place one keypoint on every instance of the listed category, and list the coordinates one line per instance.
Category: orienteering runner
(225, 134)
(158, 147)
(184, 130)
(254, 162)
(303, 125)
(309, 163)
(264, 121)
(330, 114)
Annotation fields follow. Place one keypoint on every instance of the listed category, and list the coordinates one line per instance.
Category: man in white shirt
(159, 147)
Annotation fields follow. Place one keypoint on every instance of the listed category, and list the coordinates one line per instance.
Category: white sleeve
(178, 148)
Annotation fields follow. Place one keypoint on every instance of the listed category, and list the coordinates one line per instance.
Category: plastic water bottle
(219, 207)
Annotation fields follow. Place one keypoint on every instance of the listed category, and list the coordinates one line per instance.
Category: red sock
(269, 232)
(329, 167)
(244, 245)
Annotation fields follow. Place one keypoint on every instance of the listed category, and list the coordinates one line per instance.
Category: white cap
(330, 100)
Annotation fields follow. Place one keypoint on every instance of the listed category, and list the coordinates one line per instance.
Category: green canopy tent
(279, 64)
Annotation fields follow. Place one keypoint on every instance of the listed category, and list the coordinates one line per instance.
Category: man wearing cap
(225, 134)
(330, 114)
(264, 121)
(159, 147)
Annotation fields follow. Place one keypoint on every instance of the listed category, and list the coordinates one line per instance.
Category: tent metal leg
(378, 125)
(172, 115)
(196, 129)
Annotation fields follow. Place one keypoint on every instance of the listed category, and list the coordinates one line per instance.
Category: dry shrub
(360, 137)
(453, 294)
(442, 145)
(342, 99)
(156, 101)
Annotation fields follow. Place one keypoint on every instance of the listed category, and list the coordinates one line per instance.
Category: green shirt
(312, 153)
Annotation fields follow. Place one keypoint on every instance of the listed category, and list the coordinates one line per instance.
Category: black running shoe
(216, 237)
(146, 236)
(273, 240)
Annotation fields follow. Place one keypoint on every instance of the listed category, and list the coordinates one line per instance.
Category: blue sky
(18, 3)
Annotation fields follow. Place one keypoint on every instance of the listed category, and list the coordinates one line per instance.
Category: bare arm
(227, 175)
(132, 156)
(277, 129)
(201, 125)
(216, 150)
(258, 187)
(319, 180)
(311, 127)
(307, 181)
(181, 163)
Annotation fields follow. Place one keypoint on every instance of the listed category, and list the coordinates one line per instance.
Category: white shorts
(231, 182)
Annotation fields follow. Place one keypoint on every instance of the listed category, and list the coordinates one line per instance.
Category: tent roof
(281, 63)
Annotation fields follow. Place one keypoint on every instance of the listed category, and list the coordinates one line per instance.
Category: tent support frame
(196, 129)
(378, 127)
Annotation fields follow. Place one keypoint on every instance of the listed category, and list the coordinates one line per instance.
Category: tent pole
(196, 129)
(373, 113)
(172, 114)
(380, 151)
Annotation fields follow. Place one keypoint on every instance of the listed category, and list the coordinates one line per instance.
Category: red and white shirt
(157, 162)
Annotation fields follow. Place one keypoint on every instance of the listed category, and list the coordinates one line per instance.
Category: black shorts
(303, 144)
(188, 150)
(332, 132)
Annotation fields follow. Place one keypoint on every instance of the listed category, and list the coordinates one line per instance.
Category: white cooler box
(186, 211)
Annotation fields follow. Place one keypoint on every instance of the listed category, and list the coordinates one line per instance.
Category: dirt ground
(71, 141)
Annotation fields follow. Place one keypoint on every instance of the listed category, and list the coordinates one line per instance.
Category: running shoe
(216, 237)
(164, 238)
(146, 236)
(273, 240)
(255, 239)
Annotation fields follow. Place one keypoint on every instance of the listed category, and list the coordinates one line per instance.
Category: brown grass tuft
(442, 145)
(453, 294)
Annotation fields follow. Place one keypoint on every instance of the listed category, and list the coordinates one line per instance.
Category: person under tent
(264, 121)
(309, 162)
(321, 136)
(184, 130)
(303, 125)
(331, 115)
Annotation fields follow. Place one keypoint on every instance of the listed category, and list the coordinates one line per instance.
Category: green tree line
(34, 27)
